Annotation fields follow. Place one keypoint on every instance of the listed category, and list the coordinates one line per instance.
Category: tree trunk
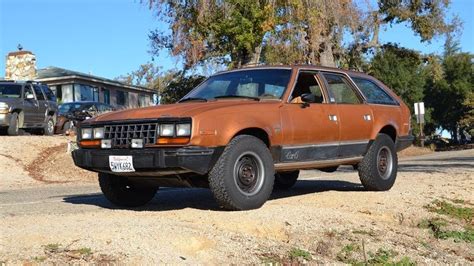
(326, 58)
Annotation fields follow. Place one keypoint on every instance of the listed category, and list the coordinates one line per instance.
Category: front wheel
(378, 168)
(243, 176)
(121, 192)
(14, 127)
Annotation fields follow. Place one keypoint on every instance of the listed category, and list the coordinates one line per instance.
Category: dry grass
(414, 151)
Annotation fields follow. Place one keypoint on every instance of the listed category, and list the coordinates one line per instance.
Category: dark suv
(27, 105)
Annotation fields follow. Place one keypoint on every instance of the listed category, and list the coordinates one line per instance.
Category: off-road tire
(225, 178)
(123, 193)
(286, 180)
(48, 129)
(369, 169)
(14, 127)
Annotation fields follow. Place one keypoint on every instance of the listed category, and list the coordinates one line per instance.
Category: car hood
(178, 110)
(10, 101)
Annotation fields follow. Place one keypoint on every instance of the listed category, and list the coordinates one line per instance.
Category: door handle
(333, 118)
(367, 117)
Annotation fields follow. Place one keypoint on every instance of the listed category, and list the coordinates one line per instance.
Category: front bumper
(404, 142)
(151, 161)
(5, 119)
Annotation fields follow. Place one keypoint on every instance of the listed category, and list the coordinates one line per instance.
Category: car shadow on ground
(199, 198)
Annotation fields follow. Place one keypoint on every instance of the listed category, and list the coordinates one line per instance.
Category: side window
(27, 91)
(339, 89)
(306, 83)
(374, 93)
(49, 93)
(38, 92)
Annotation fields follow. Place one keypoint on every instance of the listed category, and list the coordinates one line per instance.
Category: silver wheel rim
(249, 173)
(50, 126)
(384, 163)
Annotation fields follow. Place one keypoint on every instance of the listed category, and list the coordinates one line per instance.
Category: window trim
(351, 85)
(320, 82)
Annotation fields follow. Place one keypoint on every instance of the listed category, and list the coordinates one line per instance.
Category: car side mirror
(30, 97)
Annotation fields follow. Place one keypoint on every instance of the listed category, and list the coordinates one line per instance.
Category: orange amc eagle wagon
(244, 132)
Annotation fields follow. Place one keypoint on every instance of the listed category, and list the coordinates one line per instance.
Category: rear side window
(374, 93)
(339, 89)
(38, 92)
(49, 93)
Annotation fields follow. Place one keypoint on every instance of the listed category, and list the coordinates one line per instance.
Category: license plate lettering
(121, 164)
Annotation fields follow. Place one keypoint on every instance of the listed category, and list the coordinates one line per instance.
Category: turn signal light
(90, 143)
(172, 140)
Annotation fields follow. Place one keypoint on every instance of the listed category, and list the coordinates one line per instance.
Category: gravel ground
(55, 213)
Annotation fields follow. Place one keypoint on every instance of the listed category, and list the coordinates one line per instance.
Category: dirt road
(324, 218)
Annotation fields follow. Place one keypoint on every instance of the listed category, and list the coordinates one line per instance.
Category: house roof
(56, 73)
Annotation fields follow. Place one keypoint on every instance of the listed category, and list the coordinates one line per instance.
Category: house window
(142, 100)
(121, 97)
(86, 93)
(106, 96)
(67, 93)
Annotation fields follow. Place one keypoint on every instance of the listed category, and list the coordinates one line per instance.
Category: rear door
(354, 115)
(309, 130)
(42, 103)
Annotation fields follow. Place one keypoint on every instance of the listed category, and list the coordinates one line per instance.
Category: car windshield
(71, 107)
(253, 84)
(10, 90)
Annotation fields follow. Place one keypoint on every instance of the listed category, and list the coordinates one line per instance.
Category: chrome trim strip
(316, 164)
(326, 144)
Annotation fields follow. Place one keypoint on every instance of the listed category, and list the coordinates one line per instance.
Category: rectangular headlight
(86, 133)
(137, 143)
(183, 130)
(167, 130)
(99, 133)
(4, 108)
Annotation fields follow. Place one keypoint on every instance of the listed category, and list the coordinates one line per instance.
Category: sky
(109, 38)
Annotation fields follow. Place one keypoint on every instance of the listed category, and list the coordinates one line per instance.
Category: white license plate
(121, 163)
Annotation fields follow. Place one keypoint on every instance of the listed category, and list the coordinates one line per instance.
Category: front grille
(122, 135)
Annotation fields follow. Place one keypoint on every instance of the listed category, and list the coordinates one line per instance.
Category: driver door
(30, 106)
(311, 131)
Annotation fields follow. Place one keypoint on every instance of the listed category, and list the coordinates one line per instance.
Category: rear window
(10, 91)
(374, 93)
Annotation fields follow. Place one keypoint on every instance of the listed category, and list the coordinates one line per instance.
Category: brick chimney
(21, 65)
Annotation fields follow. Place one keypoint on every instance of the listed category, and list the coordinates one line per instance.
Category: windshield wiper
(192, 99)
(238, 96)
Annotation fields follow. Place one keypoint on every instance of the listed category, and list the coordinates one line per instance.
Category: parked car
(75, 112)
(27, 105)
(243, 132)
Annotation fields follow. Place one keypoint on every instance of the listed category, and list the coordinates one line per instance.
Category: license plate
(121, 163)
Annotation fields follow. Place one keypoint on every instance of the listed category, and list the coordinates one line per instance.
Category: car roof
(299, 66)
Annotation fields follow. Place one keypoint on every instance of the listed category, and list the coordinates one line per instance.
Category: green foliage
(448, 209)
(85, 251)
(345, 255)
(381, 256)
(179, 86)
(52, 248)
(402, 70)
(451, 95)
(296, 253)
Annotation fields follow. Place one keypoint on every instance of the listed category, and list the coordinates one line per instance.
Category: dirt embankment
(35, 160)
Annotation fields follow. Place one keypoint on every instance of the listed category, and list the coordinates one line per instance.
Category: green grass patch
(39, 259)
(85, 251)
(451, 210)
(296, 253)
(381, 256)
(436, 226)
(346, 254)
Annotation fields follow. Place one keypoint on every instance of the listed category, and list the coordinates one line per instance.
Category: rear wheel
(48, 129)
(378, 168)
(243, 176)
(14, 127)
(286, 180)
(121, 192)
